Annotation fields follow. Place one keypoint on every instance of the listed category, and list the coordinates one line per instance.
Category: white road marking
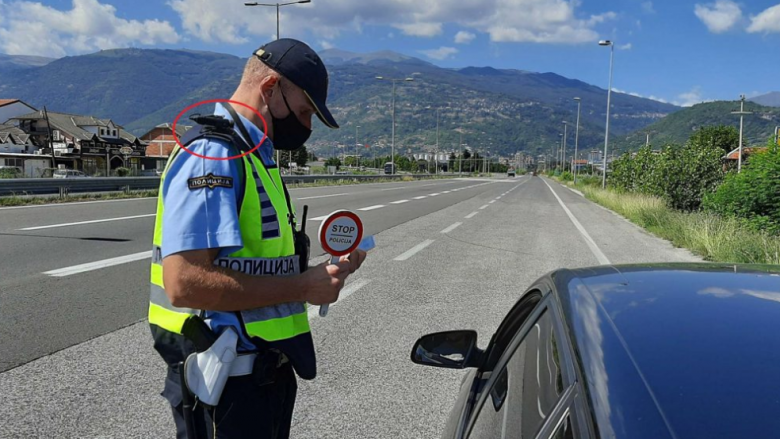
(91, 266)
(319, 218)
(433, 195)
(451, 228)
(78, 202)
(378, 206)
(492, 201)
(52, 226)
(414, 250)
(399, 202)
(321, 196)
(347, 291)
(588, 240)
(420, 198)
(484, 207)
(393, 189)
(446, 192)
(471, 215)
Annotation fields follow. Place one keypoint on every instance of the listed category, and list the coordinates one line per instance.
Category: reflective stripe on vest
(268, 250)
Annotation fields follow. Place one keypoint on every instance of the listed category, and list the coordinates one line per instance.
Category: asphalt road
(77, 354)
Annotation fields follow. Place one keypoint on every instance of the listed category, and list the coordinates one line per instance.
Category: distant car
(533, 173)
(11, 172)
(390, 168)
(636, 351)
(69, 173)
(510, 173)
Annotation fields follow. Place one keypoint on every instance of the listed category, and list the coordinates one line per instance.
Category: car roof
(677, 350)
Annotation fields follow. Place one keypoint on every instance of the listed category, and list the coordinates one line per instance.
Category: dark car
(636, 351)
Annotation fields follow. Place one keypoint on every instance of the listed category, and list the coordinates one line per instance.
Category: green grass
(715, 238)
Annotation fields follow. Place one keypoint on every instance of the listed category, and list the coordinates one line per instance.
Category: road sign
(126, 150)
(340, 234)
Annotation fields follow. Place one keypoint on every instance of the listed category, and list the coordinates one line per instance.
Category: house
(10, 108)
(580, 164)
(17, 149)
(161, 141)
(732, 158)
(95, 146)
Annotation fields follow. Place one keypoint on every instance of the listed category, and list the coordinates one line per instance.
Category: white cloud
(626, 46)
(441, 53)
(647, 8)
(29, 28)
(598, 19)
(690, 98)
(541, 21)
(766, 22)
(326, 45)
(464, 37)
(420, 29)
(719, 16)
(635, 94)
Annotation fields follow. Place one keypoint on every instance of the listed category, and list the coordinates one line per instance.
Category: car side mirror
(451, 349)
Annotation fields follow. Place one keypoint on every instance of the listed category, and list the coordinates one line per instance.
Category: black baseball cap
(300, 64)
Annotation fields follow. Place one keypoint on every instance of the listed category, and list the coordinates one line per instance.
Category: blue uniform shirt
(204, 218)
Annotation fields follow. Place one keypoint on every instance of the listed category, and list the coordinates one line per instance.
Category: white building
(10, 108)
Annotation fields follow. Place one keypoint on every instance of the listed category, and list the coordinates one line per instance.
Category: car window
(526, 389)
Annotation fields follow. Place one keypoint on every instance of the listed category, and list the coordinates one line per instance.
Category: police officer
(225, 250)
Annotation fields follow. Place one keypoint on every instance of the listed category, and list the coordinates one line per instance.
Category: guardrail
(64, 186)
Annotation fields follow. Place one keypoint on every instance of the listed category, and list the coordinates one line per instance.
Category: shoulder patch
(210, 181)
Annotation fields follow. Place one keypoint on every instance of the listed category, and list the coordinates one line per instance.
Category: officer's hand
(355, 260)
(325, 281)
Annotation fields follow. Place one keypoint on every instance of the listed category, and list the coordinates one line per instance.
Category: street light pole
(392, 138)
(577, 138)
(742, 113)
(277, 5)
(436, 154)
(357, 152)
(565, 134)
(609, 99)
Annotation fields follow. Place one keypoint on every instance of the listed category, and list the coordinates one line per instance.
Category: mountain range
(771, 99)
(501, 110)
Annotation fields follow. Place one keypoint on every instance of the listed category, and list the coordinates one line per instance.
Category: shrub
(753, 194)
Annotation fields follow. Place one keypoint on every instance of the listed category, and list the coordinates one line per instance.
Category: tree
(725, 138)
(301, 156)
(333, 161)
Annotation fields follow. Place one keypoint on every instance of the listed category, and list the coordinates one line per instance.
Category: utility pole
(49, 138)
(742, 113)
(577, 138)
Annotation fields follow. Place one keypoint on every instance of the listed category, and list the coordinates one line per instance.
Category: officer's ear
(267, 87)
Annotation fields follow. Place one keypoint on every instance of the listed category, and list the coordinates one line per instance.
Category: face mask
(289, 133)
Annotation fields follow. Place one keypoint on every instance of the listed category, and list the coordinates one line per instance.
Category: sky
(677, 51)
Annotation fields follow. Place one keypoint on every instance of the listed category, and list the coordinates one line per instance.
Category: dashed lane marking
(52, 226)
(451, 228)
(91, 266)
(378, 206)
(414, 250)
(347, 291)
